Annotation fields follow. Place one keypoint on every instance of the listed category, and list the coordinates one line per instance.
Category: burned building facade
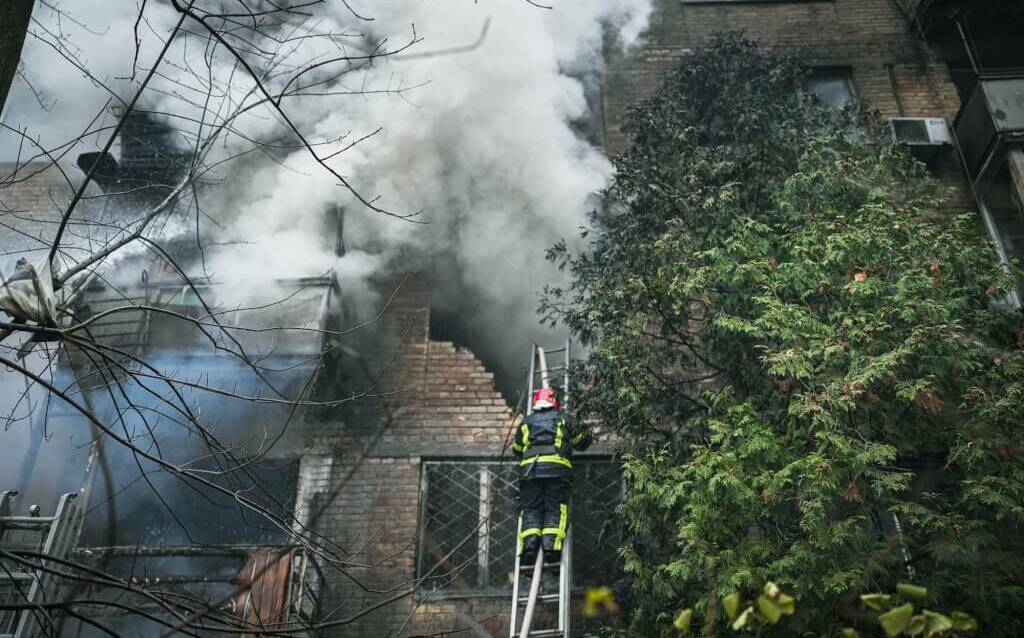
(373, 455)
(941, 73)
(157, 383)
(388, 494)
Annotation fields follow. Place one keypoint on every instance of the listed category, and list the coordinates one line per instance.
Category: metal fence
(469, 514)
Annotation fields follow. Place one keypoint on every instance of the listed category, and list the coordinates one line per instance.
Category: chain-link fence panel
(469, 518)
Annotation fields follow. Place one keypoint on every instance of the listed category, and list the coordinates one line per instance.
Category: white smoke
(482, 139)
(486, 149)
(78, 57)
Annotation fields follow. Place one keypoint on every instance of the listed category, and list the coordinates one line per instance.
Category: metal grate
(469, 513)
(910, 131)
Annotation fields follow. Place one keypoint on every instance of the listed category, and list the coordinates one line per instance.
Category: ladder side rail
(565, 573)
(565, 586)
(28, 617)
(543, 360)
(515, 583)
(519, 527)
(533, 371)
(565, 389)
(67, 526)
(66, 523)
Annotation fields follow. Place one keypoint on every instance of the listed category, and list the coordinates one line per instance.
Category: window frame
(839, 69)
(487, 483)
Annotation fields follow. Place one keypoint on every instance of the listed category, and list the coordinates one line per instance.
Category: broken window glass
(833, 85)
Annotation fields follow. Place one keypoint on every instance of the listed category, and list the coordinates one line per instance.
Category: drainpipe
(968, 46)
(895, 88)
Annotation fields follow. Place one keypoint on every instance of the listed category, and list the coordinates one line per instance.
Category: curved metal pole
(538, 567)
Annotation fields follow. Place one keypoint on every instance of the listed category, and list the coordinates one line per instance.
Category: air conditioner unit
(925, 136)
(920, 131)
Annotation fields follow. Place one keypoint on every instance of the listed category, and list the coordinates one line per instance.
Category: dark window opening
(833, 85)
(460, 326)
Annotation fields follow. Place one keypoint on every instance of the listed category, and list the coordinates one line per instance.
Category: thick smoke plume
(486, 145)
(484, 133)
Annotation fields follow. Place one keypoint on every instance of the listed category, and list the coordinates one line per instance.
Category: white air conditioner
(920, 131)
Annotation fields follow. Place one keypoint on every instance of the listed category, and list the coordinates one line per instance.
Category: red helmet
(545, 398)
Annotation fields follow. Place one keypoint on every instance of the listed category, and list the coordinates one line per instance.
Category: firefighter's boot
(551, 555)
(531, 545)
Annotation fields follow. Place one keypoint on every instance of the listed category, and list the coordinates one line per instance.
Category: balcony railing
(992, 116)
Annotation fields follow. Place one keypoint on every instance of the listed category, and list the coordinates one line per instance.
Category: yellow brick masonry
(867, 35)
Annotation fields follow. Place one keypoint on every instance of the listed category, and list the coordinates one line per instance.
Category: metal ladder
(538, 368)
(53, 536)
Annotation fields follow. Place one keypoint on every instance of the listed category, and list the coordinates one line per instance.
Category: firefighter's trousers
(545, 511)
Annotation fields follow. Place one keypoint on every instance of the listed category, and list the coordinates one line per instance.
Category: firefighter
(544, 443)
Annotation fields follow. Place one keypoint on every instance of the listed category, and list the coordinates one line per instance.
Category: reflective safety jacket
(545, 441)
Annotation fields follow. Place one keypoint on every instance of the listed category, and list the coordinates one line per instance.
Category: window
(468, 519)
(833, 85)
(1003, 216)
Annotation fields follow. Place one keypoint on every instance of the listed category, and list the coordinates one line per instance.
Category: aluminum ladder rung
(551, 369)
(540, 633)
(543, 598)
(12, 576)
(34, 521)
(557, 567)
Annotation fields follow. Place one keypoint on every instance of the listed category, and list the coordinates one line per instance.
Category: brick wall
(871, 36)
(433, 400)
(425, 398)
(34, 195)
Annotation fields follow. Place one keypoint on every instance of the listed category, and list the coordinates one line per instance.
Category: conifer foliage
(809, 355)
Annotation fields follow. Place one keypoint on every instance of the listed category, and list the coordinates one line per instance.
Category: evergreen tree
(808, 356)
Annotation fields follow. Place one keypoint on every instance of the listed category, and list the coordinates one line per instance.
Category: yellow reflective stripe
(579, 437)
(547, 458)
(563, 522)
(559, 532)
(525, 430)
(558, 434)
(523, 535)
(517, 447)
